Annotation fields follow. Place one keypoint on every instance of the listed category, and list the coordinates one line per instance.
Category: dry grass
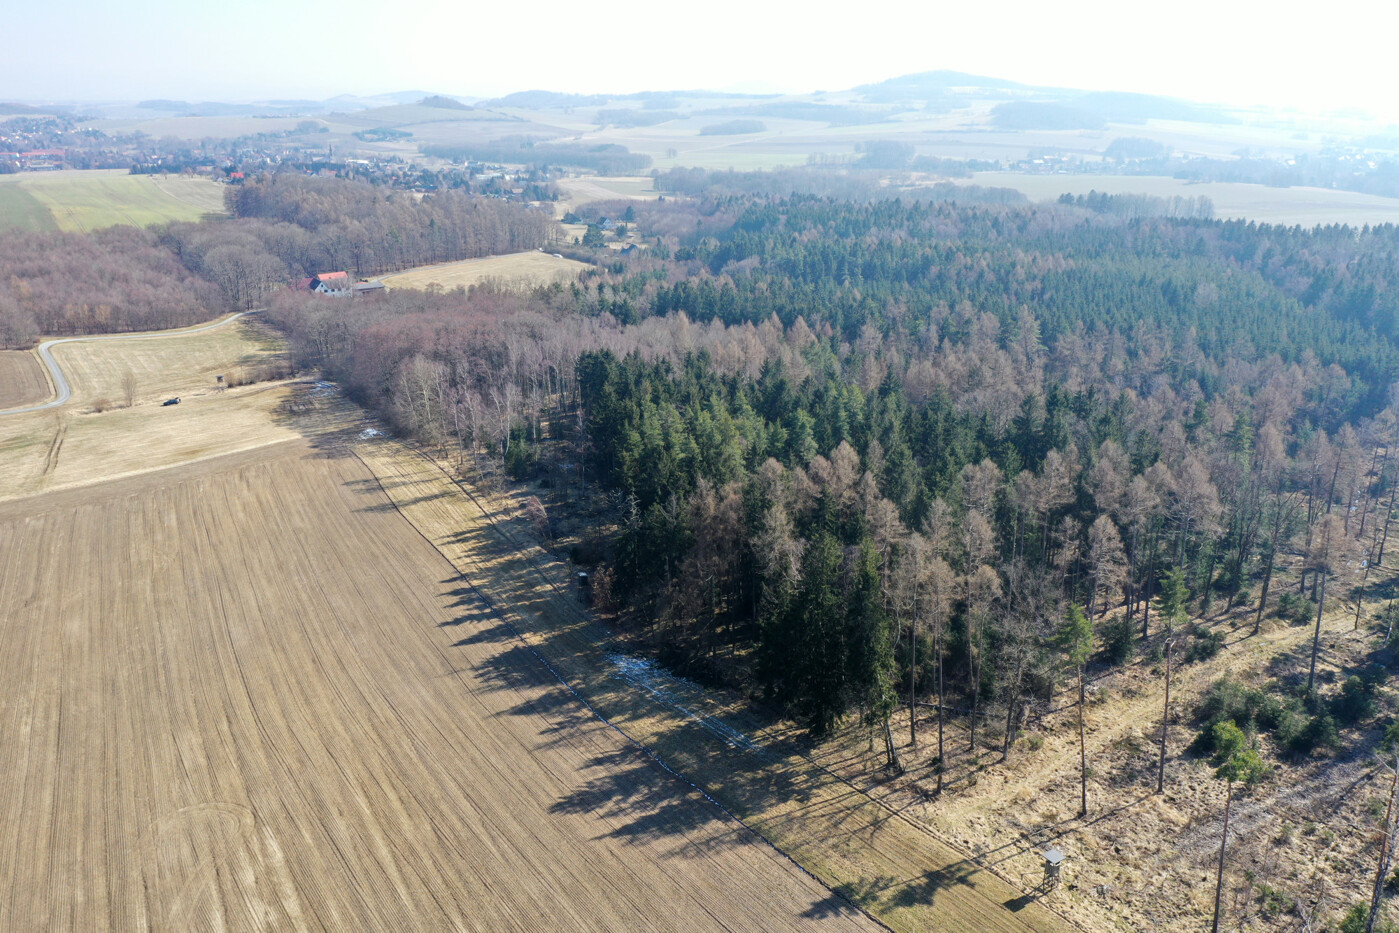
(164, 366)
(584, 189)
(527, 268)
(1141, 861)
(74, 446)
(57, 449)
(22, 379)
(248, 695)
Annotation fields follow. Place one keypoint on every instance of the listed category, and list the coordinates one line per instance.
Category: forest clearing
(78, 200)
(528, 268)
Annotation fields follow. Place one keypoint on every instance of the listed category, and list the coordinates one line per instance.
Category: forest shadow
(924, 891)
(646, 804)
(298, 414)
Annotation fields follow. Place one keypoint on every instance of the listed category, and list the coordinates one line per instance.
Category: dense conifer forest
(878, 452)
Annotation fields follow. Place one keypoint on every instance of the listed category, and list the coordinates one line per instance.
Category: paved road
(60, 382)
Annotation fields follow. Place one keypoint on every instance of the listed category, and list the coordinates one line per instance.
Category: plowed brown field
(247, 694)
(22, 380)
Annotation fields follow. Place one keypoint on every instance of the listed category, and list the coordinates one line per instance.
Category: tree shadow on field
(388, 505)
(328, 425)
(635, 800)
(500, 662)
(925, 890)
(834, 906)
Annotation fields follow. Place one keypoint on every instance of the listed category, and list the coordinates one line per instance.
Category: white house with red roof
(335, 284)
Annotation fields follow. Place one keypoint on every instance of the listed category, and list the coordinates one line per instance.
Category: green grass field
(91, 200)
(20, 209)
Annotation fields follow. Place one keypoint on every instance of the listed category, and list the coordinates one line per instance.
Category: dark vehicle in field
(171, 401)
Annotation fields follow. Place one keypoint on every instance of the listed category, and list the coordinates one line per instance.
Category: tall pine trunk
(1223, 843)
(1165, 721)
(1316, 638)
(1386, 852)
(942, 762)
(1082, 752)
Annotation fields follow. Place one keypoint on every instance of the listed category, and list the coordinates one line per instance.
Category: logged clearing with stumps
(247, 694)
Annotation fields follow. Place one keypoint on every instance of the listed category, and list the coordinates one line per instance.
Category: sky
(1313, 57)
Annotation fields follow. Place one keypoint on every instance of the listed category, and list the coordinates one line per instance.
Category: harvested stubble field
(22, 379)
(892, 866)
(246, 693)
(527, 268)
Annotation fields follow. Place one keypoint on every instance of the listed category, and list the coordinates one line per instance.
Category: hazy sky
(1315, 56)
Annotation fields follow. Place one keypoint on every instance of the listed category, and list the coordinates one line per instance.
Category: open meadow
(584, 189)
(1298, 205)
(90, 200)
(527, 268)
(75, 445)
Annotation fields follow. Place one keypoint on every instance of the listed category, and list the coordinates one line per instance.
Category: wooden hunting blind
(1053, 860)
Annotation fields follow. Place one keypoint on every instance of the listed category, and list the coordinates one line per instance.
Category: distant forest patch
(382, 134)
(734, 128)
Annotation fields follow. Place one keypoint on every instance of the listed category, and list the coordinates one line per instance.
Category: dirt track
(248, 694)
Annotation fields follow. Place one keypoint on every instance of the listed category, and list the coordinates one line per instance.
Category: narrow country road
(63, 392)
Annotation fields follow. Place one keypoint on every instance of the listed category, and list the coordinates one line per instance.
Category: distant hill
(443, 102)
(1093, 107)
(546, 100)
(9, 109)
(930, 85)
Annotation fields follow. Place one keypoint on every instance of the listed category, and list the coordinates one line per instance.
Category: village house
(334, 284)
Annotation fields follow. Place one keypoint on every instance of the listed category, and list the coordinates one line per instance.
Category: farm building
(370, 290)
(335, 284)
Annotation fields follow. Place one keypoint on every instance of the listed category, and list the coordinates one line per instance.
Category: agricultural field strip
(83, 199)
(892, 867)
(64, 390)
(531, 265)
(22, 380)
(264, 731)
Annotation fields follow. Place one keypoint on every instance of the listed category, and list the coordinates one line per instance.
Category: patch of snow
(651, 678)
